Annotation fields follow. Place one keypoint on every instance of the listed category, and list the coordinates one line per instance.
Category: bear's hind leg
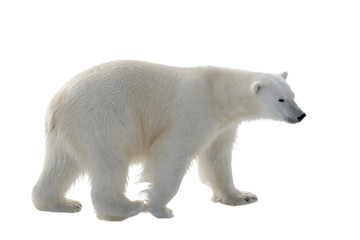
(165, 170)
(108, 180)
(59, 173)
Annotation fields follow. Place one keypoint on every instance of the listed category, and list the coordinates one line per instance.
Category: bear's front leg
(215, 170)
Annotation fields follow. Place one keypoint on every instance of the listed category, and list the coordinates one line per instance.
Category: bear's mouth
(291, 120)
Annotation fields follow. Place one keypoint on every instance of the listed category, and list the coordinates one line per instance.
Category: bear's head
(275, 100)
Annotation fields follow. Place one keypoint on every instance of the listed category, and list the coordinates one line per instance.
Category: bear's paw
(234, 199)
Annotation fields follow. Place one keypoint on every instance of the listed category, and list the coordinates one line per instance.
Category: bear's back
(142, 88)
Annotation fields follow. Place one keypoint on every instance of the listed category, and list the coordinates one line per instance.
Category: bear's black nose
(301, 117)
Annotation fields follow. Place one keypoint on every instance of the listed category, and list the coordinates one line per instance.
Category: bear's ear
(284, 75)
(256, 87)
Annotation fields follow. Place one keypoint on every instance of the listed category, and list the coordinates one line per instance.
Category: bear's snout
(301, 117)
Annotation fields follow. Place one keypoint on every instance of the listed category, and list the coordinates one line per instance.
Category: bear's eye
(281, 100)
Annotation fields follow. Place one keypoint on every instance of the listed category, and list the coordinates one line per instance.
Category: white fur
(112, 114)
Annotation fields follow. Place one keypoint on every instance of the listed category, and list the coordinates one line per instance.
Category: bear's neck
(231, 100)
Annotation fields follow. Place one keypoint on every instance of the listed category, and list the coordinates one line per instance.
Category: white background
(306, 176)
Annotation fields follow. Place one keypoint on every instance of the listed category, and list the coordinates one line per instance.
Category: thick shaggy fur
(112, 114)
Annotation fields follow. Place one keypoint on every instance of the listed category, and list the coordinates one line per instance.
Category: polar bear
(163, 117)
